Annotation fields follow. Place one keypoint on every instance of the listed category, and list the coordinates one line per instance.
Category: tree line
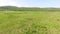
(14, 8)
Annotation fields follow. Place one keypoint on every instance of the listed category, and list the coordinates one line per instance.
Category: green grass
(28, 22)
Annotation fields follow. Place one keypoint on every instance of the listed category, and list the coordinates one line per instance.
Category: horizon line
(31, 6)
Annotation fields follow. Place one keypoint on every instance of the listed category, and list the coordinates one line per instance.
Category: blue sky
(31, 3)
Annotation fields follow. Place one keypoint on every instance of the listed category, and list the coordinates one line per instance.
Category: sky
(31, 3)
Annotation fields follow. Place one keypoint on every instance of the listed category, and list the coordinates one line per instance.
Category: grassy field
(28, 22)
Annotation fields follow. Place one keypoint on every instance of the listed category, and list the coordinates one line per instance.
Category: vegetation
(30, 22)
(14, 8)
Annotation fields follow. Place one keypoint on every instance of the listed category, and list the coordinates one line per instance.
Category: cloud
(19, 3)
(9, 3)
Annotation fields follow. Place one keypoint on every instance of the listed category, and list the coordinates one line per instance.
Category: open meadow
(29, 22)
